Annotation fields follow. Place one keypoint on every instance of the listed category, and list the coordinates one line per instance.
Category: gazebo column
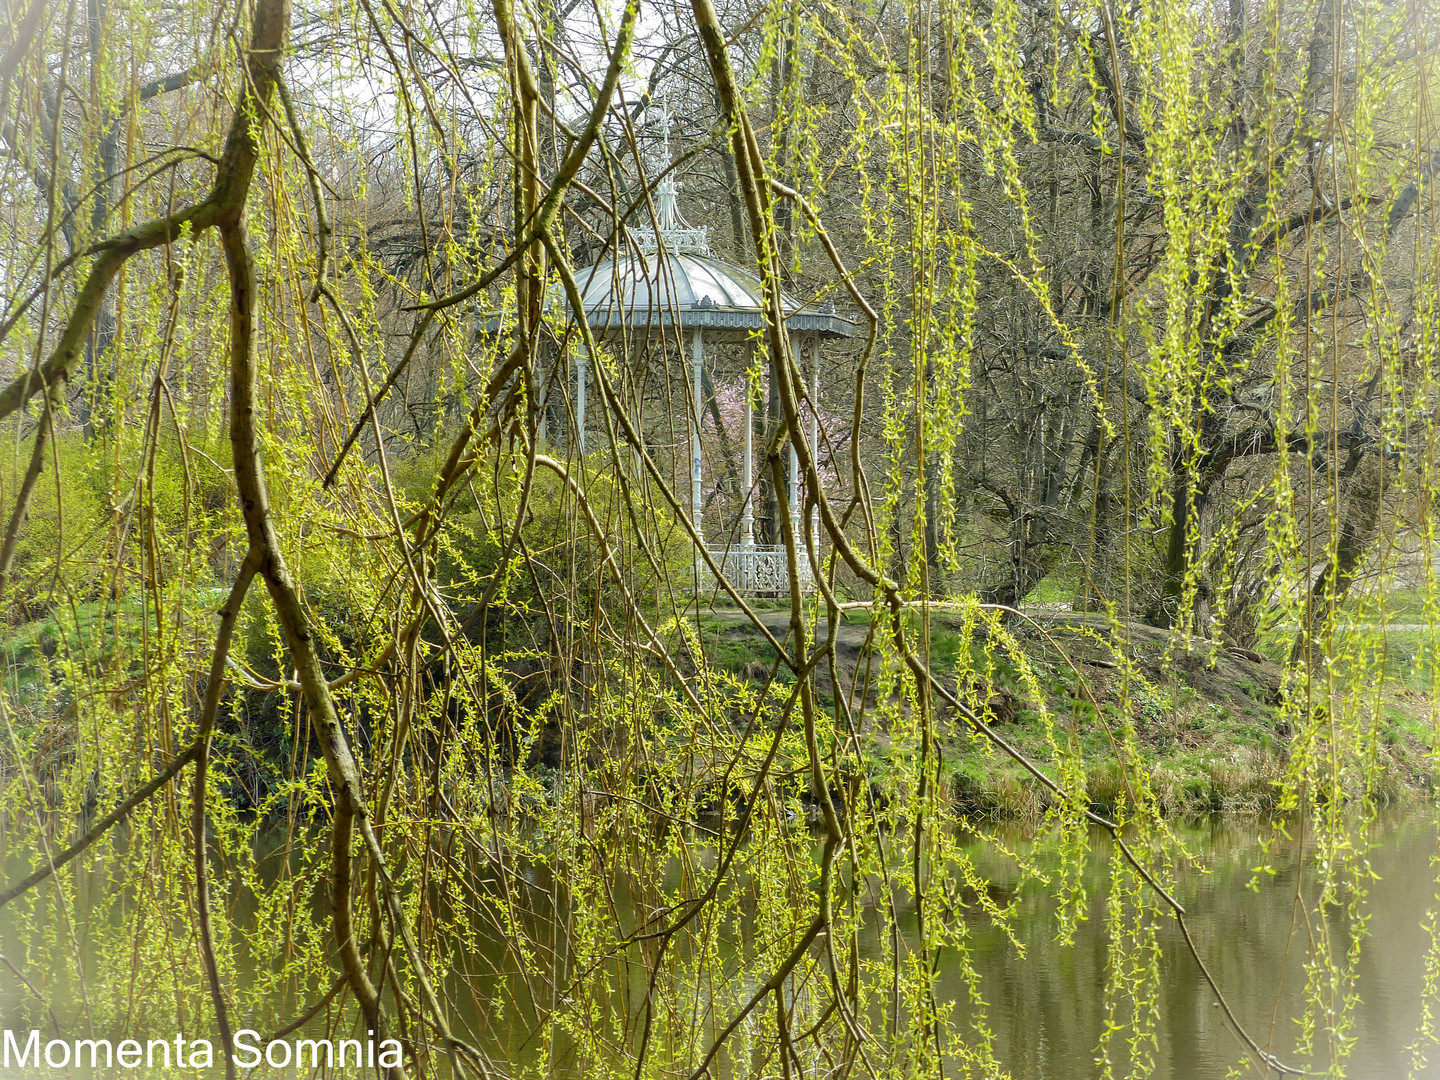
(543, 431)
(748, 473)
(797, 346)
(582, 358)
(815, 438)
(748, 576)
(697, 357)
(747, 476)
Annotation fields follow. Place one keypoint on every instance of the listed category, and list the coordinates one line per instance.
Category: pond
(1046, 1009)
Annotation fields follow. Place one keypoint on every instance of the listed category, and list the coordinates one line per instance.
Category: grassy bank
(1209, 724)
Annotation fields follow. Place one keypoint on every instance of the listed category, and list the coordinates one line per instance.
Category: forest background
(322, 639)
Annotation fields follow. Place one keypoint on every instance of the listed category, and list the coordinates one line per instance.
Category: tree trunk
(1357, 533)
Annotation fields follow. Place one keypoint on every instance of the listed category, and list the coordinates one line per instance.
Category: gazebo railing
(759, 569)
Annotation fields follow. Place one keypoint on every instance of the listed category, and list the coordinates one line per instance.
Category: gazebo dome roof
(654, 290)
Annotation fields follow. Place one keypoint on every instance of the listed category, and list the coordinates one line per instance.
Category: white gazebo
(665, 285)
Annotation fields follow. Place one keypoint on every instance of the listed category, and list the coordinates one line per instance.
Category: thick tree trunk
(1177, 542)
(1357, 532)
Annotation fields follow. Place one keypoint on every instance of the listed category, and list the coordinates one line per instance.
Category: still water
(1046, 1009)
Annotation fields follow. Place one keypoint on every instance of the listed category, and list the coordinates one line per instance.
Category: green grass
(1055, 589)
(86, 629)
(1220, 748)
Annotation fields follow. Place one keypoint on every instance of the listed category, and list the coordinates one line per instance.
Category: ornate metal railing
(760, 569)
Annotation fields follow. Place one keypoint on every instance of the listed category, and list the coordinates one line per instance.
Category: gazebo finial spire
(666, 188)
(675, 234)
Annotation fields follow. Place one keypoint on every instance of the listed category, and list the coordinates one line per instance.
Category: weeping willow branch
(255, 504)
(139, 797)
(755, 184)
(225, 201)
(44, 434)
(198, 796)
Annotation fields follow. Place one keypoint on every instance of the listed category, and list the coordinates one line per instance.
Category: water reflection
(1046, 1009)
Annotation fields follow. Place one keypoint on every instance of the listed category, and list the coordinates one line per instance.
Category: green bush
(61, 527)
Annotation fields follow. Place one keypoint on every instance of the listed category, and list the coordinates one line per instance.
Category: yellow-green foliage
(65, 526)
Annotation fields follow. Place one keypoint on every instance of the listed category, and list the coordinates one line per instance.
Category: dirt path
(848, 635)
